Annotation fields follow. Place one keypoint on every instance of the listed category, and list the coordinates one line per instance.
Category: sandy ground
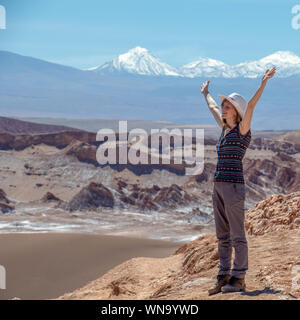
(47, 265)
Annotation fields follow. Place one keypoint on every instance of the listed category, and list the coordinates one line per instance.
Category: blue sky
(88, 33)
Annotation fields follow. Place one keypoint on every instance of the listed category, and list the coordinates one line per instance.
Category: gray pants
(228, 203)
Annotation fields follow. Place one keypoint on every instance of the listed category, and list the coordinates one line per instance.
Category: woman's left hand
(269, 74)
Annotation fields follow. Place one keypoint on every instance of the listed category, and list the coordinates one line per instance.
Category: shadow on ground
(266, 290)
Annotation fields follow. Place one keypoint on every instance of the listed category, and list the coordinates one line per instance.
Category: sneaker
(222, 280)
(234, 285)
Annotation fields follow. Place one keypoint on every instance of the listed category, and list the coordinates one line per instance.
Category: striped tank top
(231, 149)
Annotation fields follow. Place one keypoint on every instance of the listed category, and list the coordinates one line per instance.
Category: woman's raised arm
(246, 122)
(268, 74)
(213, 106)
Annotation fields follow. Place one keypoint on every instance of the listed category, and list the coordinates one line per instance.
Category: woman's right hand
(204, 87)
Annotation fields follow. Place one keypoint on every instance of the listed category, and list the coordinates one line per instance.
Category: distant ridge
(14, 126)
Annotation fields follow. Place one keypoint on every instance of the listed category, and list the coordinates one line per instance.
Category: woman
(229, 186)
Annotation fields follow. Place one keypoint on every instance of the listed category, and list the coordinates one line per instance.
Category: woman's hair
(237, 117)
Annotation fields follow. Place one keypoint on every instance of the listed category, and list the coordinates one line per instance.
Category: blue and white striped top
(231, 149)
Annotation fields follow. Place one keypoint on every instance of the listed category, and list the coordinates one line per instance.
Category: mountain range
(141, 61)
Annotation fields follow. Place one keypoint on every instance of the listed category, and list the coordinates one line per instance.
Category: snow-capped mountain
(286, 62)
(205, 67)
(140, 61)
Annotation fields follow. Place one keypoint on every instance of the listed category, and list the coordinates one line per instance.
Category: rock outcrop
(49, 196)
(155, 197)
(5, 204)
(277, 212)
(91, 197)
(3, 197)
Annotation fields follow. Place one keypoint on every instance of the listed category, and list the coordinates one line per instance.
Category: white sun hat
(238, 101)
